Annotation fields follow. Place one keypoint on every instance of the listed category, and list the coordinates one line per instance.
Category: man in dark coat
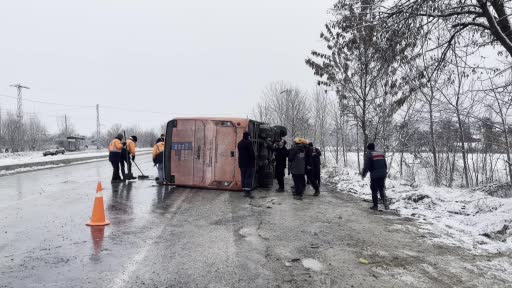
(375, 164)
(310, 168)
(281, 155)
(247, 163)
(297, 167)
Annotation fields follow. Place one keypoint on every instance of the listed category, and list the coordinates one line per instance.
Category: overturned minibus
(202, 152)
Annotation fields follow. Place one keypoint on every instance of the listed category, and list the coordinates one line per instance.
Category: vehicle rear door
(225, 151)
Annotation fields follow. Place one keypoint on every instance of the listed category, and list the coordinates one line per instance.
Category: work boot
(297, 197)
(280, 190)
(386, 204)
(317, 192)
(374, 208)
(247, 193)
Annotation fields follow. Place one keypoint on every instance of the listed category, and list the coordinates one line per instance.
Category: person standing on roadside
(158, 160)
(281, 155)
(130, 153)
(297, 167)
(310, 168)
(114, 156)
(375, 164)
(313, 173)
(246, 163)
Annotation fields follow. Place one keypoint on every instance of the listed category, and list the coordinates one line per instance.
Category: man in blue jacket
(375, 163)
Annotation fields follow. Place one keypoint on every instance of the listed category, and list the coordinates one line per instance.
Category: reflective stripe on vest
(377, 156)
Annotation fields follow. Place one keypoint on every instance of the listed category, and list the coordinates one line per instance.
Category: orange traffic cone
(98, 211)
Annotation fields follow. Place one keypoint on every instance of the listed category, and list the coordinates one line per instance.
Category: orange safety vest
(115, 146)
(158, 148)
(130, 146)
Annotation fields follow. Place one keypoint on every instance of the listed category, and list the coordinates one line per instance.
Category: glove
(133, 157)
(124, 144)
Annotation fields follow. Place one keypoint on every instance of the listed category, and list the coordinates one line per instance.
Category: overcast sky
(154, 59)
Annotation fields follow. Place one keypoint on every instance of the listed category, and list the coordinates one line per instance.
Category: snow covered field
(463, 217)
(37, 156)
(26, 159)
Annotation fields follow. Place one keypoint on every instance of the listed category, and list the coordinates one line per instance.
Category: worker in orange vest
(158, 160)
(114, 156)
(129, 155)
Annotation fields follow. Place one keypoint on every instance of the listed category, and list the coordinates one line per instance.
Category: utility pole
(19, 115)
(66, 125)
(19, 111)
(97, 126)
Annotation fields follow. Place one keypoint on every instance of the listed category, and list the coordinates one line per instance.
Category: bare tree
(11, 132)
(485, 22)
(321, 118)
(285, 105)
(66, 127)
(35, 133)
(501, 105)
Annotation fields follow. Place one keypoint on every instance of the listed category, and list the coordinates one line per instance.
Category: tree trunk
(452, 170)
(402, 163)
(358, 149)
(463, 147)
(433, 147)
(507, 150)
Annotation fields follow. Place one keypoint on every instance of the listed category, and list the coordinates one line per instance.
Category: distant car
(49, 152)
(53, 152)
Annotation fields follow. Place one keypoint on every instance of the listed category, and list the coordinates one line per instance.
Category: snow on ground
(37, 156)
(25, 159)
(459, 217)
(34, 168)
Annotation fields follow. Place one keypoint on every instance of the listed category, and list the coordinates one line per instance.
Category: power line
(125, 109)
(49, 103)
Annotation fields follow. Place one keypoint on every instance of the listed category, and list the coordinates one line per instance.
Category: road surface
(163, 237)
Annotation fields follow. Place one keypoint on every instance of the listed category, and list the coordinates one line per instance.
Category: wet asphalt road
(163, 237)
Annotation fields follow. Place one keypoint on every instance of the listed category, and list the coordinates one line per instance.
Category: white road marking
(132, 265)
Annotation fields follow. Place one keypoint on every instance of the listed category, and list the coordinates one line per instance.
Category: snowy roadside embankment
(11, 163)
(462, 217)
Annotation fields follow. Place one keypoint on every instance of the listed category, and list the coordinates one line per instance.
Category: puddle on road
(312, 264)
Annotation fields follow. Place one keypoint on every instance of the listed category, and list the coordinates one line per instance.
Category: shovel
(141, 176)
